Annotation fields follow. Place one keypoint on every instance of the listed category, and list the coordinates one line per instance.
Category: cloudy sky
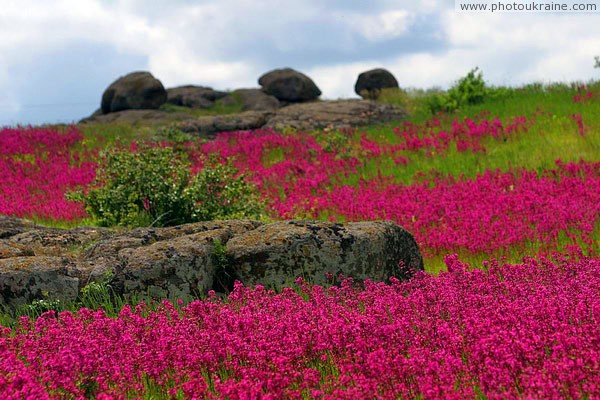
(57, 56)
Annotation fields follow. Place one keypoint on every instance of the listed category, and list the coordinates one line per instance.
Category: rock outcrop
(275, 254)
(289, 85)
(189, 260)
(309, 116)
(194, 96)
(253, 100)
(133, 117)
(134, 91)
(369, 83)
(334, 115)
(208, 126)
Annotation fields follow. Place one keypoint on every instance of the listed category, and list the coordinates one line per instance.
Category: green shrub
(219, 192)
(154, 187)
(470, 89)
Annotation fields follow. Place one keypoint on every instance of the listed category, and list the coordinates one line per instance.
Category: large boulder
(369, 83)
(289, 85)
(273, 255)
(134, 91)
(175, 269)
(252, 100)
(194, 96)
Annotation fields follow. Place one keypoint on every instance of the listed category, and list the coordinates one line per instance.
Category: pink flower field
(514, 331)
(495, 329)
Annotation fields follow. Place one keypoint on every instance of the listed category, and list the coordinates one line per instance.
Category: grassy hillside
(504, 179)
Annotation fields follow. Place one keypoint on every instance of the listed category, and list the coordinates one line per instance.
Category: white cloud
(555, 46)
(223, 43)
(384, 26)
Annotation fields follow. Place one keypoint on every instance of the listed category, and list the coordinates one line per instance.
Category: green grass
(548, 138)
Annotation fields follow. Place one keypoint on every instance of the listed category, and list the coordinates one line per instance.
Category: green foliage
(100, 294)
(469, 90)
(218, 191)
(139, 188)
(597, 60)
(153, 187)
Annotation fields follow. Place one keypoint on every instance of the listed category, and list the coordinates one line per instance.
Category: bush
(219, 192)
(470, 89)
(154, 187)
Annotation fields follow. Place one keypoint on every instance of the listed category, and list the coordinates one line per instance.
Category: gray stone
(252, 100)
(180, 268)
(369, 83)
(185, 261)
(340, 114)
(194, 96)
(25, 279)
(289, 85)
(10, 226)
(56, 242)
(137, 90)
(136, 117)
(9, 250)
(275, 254)
(208, 126)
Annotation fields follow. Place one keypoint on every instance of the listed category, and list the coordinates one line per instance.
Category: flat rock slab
(56, 242)
(334, 115)
(10, 250)
(208, 126)
(134, 117)
(276, 253)
(10, 226)
(24, 279)
(314, 115)
(178, 268)
(189, 260)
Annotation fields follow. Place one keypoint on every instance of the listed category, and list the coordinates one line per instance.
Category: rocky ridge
(189, 260)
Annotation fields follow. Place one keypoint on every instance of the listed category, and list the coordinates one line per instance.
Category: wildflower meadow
(503, 198)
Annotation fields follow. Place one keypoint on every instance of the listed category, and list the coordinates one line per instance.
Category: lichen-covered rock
(9, 250)
(337, 114)
(189, 260)
(175, 262)
(25, 279)
(275, 254)
(207, 126)
(10, 226)
(179, 268)
(110, 247)
(55, 242)
(234, 227)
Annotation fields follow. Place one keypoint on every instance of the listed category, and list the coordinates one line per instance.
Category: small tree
(597, 59)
